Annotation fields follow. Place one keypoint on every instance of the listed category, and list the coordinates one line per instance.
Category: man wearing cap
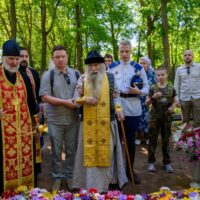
(16, 136)
(98, 136)
(57, 89)
(132, 82)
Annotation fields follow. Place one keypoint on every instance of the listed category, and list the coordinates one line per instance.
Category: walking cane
(127, 156)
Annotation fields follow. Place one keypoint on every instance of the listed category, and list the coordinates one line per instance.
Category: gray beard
(10, 69)
(94, 81)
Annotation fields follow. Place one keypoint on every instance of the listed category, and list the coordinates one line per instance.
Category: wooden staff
(127, 156)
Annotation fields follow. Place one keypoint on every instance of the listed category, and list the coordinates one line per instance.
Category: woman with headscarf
(145, 62)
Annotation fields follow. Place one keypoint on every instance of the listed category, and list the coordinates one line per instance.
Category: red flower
(92, 190)
(130, 197)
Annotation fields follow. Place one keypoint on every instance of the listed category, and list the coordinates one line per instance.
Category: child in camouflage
(162, 97)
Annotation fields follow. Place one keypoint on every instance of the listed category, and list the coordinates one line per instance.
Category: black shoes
(114, 186)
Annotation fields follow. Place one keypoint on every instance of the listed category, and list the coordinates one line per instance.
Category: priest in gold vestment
(16, 137)
(99, 160)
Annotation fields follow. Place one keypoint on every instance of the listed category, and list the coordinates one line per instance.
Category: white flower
(164, 188)
(195, 185)
(138, 197)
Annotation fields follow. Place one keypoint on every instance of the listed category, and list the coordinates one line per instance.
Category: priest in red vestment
(17, 106)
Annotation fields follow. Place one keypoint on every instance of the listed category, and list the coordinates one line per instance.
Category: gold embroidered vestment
(17, 136)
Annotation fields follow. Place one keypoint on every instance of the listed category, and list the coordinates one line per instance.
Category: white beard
(9, 68)
(94, 81)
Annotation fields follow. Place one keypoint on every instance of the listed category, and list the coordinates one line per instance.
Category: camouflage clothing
(160, 121)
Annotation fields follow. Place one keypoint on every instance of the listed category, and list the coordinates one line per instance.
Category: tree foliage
(162, 33)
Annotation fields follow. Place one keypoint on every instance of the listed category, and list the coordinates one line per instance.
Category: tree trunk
(165, 38)
(139, 46)
(30, 28)
(44, 36)
(46, 32)
(86, 43)
(79, 46)
(13, 20)
(114, 42)
(149, 43)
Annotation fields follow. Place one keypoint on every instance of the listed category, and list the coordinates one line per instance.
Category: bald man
(187, 85)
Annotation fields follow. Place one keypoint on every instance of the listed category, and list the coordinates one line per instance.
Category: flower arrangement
(188, 139)
(23, 193)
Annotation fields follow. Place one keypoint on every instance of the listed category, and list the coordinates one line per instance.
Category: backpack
(52, 78)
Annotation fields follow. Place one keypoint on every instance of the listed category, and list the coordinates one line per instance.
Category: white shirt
(123, 75)
(187, 85)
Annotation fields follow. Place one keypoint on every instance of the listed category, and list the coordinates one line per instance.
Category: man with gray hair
(132, 82)
(98, 144)
(187, 82)
(17, 110)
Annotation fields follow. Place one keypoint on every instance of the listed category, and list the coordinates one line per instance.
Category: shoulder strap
(51, 80)
(114, 64)
(111, 80)
(77, 74)
(136, 66)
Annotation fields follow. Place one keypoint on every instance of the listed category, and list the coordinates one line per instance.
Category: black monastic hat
(11, 48)
(94, 57)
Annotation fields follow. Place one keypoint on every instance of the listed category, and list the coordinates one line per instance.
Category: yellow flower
(21, 188)
(49, 195)
(166, 197)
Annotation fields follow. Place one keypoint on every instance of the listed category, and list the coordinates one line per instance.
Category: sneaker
(137, 142)
(169, 168)
(56, 185)
(151, 167)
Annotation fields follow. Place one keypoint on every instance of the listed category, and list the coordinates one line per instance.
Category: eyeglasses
(67, 79)
(188, 70)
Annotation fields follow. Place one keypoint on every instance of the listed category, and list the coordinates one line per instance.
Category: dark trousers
(130, 127)
(156, 126)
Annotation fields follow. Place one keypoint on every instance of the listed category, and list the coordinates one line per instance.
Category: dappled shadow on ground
(150, 182)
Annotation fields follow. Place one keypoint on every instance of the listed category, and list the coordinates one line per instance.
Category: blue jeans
(66, 135)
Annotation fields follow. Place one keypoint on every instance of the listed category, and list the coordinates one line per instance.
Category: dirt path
(150, 182)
